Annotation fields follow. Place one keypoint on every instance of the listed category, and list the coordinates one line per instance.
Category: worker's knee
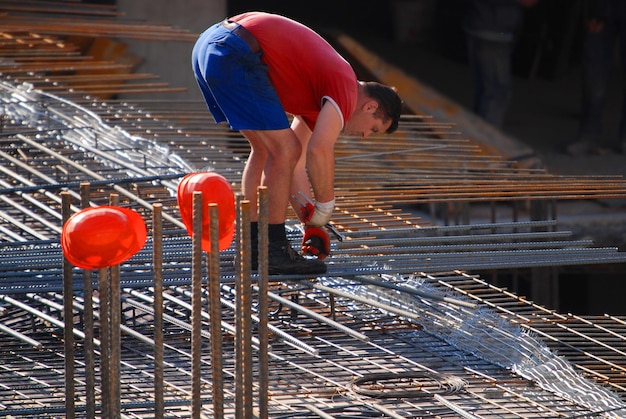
(282, 146)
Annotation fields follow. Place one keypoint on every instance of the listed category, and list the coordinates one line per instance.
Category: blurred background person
(604, 25)
(492, 27)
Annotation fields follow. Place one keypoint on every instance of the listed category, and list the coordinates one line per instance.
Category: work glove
(315, 242)
(317, 214)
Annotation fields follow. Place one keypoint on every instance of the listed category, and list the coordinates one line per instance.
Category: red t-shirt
(304, 69)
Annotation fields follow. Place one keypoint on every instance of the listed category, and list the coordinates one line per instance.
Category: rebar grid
(387, 241)
(297, 378)
(321, 340)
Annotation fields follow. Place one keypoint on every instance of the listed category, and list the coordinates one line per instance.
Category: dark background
(548, 44)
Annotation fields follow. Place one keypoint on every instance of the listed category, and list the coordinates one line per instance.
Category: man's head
(378, 110)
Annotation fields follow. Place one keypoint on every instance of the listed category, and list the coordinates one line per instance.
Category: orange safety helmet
(99, 237)
(215, 189)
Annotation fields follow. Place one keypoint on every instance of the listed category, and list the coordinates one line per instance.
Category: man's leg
(495, 69)
(279, 151)
(620, 16)
(490, 67)
(273, 157)
(253, 172)
(597, 62)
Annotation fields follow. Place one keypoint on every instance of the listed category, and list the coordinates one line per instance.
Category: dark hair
(389, 102)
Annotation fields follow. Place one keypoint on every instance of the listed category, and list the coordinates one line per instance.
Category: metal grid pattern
(320, 362)
(314, 366)
(356, 343)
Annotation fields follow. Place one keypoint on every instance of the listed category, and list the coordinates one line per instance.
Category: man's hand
(306, 210)
(320, 214)
(316, 242)
(314, 213)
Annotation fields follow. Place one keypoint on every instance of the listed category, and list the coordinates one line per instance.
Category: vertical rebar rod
(196, 307)
(88, 323)
(245, 289)
(116, 313)
(263, 243)
(239, 407)
(157, 257)
(105, 341)
(243, 313)
(215, 310)
(68, 314)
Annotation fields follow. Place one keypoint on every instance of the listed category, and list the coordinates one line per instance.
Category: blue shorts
(235, 83)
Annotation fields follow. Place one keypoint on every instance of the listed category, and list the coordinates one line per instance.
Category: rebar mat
(375, 337)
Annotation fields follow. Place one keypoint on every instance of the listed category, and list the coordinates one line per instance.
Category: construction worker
(256, 68)
(604, 29)
(492, 28)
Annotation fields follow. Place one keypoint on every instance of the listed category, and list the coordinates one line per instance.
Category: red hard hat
(215, 190)
(99, 237)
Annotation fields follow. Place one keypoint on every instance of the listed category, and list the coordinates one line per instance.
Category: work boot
(283, 259)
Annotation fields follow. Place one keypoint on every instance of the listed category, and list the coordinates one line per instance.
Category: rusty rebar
(157, 257)
(88, 323)
(263, 301)
(243, 289)
(68, 316)
(215, 318)
(115, 318)
(196, 308)
(102, 27)
(104, 309)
